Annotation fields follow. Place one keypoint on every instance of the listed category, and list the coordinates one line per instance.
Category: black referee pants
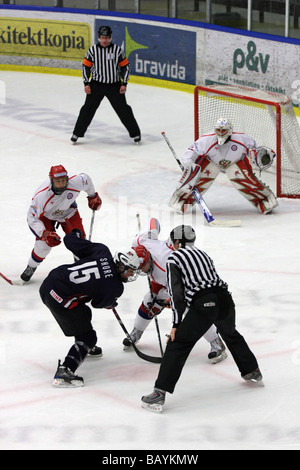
(215, 306)
(118, 102)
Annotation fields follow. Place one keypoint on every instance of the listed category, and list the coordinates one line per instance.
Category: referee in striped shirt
(110, 73)
(199, 298)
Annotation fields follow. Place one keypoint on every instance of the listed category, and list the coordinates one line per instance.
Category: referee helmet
(185, 235)
(105, 31)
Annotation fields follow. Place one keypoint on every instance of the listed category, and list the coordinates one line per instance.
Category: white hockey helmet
(125, 261)
(223, 130)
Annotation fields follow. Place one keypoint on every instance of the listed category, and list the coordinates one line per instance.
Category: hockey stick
(151, 292)
(155, 319)
(17, 282)
(199, 198)
(154, 359)
(92, 225)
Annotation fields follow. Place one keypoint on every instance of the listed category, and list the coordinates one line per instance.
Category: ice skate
(137, 140)
(255, 376)
(74, 138)
(154, 401)
(96, 351)
(28, 273)
(217, 352)
(65, 378)
(135, 335)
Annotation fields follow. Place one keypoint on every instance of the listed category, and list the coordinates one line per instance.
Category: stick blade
(16, 282)
(225, 223)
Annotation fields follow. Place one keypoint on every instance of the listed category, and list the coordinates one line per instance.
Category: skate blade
(220, 358)
(95, 356)
(255, 383)
(61, 383)
(129, 346)
(156, 407)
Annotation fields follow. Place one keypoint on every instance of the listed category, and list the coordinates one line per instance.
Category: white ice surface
(212, 408)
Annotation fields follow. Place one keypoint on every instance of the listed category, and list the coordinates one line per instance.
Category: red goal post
(269, 118)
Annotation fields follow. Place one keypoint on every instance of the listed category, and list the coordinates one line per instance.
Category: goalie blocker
(228, 152)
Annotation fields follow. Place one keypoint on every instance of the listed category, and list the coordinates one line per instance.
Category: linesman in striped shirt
(110, 71)
(199, 298)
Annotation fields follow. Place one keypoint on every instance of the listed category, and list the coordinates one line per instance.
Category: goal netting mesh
(269, 118)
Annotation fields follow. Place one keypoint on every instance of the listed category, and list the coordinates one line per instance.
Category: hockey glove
(94, 202)
(114, 305)
(264, 158)
(51, 238)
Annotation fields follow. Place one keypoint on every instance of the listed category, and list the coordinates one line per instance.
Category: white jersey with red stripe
(57, 207)
(235, 149)
(160, 250)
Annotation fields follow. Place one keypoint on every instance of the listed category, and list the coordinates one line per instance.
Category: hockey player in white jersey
(153, 254)
(228, 152)
(54, 202)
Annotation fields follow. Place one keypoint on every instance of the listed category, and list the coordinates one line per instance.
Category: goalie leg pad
(196, 176)
(243, 179)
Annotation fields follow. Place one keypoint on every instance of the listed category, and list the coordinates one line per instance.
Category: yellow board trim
(77, 73)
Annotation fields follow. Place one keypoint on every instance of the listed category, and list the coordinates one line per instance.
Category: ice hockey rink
(212, 408)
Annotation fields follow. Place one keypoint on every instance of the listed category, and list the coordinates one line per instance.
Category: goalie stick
(17, 282)
(154, 359)
(199, 199)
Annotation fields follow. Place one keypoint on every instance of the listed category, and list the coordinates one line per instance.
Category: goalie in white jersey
(228, 152)
(54, 202)
(153, 254)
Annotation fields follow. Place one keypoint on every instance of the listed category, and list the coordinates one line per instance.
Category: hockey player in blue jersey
(97, 277)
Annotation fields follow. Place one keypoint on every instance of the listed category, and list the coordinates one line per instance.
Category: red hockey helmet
(146, 262)
(58, 171)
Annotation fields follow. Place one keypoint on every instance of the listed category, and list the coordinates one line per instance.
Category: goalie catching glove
(263, 158)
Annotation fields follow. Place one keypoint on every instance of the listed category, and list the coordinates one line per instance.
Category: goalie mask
(145, 258)
(182, 236)
(59, 179)
(127, 265)
(223, 130)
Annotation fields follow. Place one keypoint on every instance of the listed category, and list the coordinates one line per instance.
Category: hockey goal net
(269, 118)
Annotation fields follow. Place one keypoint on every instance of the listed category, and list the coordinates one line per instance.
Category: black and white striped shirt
(107, 64)
(189, 270)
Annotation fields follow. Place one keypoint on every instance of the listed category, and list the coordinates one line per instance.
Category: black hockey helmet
(185, 235)
(105, 31)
